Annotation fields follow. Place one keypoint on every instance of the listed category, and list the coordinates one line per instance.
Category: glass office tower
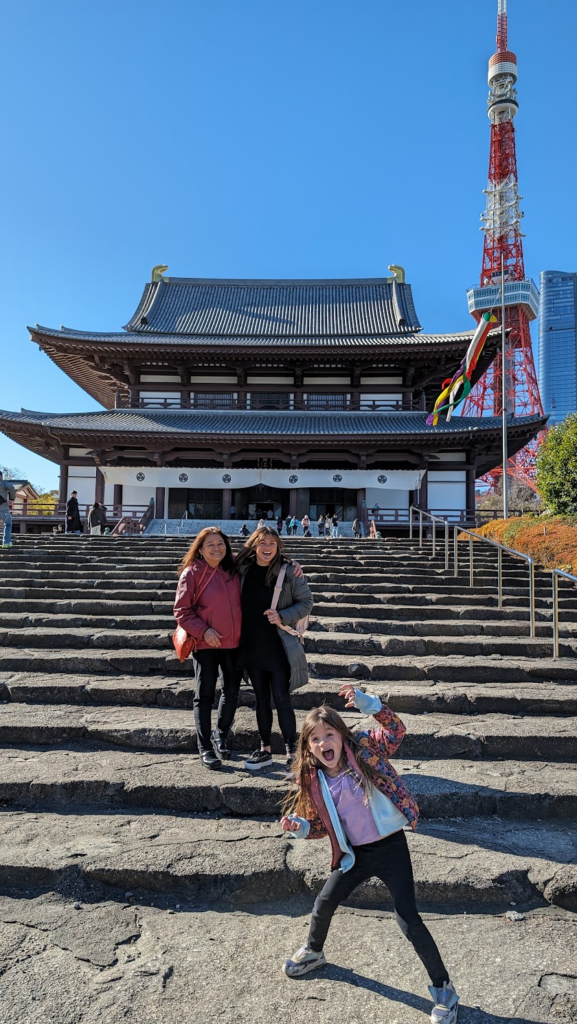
(557, 363)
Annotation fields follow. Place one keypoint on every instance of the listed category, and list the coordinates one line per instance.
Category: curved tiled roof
(265, 423)
(275, 309)
(411, 338)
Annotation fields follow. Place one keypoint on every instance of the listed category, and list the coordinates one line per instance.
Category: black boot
(210, 760)
(221, 743)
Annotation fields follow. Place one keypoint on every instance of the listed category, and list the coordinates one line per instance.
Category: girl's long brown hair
(248, 552)
(194, 550)
(299, 801)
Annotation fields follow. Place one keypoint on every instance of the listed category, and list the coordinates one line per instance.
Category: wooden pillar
(159, 503)
(99, 486)
(293, 501)
(361, 502)
(424, 493)
(226, 502)
(470, 492)
(63, 494)
(117, 499)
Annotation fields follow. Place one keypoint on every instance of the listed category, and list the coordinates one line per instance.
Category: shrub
(550, 540)
(557, 467)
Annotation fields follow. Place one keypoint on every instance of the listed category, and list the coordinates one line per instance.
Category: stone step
(83, 776)
(432, 735)
(513, 697)
(463, 865)
(354, 665)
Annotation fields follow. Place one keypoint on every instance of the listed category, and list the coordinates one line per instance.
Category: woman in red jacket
(207, 606)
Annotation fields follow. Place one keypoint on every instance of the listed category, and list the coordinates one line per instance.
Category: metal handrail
(555, 574)
(486, 540)
(182, 518)
(434, 520)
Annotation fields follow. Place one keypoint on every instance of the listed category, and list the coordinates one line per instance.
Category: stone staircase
(190, 527)
(97, 781)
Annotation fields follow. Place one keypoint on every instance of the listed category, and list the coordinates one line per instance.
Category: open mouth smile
(328, 755)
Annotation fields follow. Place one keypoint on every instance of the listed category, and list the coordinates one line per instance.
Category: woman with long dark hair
(207, 606)
(274, 658)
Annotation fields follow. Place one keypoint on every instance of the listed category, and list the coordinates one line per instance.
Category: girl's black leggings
(389, 860)
(269, 685)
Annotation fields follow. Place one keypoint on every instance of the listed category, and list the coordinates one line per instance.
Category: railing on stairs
(182, 519)
(459, 531)
(556, 573)
(131, 525)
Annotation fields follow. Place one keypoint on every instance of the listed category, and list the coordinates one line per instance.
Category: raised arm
(391, 732)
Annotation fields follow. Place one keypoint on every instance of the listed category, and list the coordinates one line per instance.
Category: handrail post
(446, 545)
(532, 598)
(555, 615)
(471, 570)
(499, 578)
(420, 528)
(411, 523)
(456, 549)
(434, 536)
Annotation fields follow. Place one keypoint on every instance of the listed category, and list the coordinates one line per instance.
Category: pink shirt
(352, 808)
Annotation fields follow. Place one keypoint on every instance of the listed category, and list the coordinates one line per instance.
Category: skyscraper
(557, 361)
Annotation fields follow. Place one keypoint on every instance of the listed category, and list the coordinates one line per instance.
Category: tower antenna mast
(516, 390)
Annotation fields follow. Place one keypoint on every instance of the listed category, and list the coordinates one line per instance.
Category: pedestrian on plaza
(260, 523)
(335, 526)
(7, 495)
(373, 534)
(73, 523)
(244, 530)
(347, 789)
(270, 514)
(96, 519)
(207, 606)
(273, 657)
(357, 528)
(233, 511)
(288, 521)
(306, 526)
(321, 525)
(279, 524)
(327, 525)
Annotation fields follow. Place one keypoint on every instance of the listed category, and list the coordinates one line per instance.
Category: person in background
(95, 519)
(373, 530)
(233, 512)
(288, 525)
(295, 523)
(244, 530)
(327, 525)
(321, 525)
(279, 524)
(261, 522)
(73, 524)
(335, 526)
(270, 514)
(7, 494)
(357, 528)
(306, 526)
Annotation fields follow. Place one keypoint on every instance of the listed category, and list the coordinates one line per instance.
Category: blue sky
(252, 138)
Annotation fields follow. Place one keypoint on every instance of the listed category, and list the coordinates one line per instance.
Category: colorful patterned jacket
(377, 746)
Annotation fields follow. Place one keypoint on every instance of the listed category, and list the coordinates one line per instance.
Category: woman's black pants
(207, 665)
(389, 860)
(269, 685)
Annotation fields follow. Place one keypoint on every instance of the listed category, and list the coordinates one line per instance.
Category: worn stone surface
(200, 965)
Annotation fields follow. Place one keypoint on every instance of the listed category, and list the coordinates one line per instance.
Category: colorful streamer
(456, 388)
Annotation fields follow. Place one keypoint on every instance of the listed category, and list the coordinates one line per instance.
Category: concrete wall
(447, 490)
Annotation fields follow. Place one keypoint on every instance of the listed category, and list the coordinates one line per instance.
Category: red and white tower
(501, 224)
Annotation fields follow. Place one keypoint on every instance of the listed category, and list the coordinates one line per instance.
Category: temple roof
(275, 309)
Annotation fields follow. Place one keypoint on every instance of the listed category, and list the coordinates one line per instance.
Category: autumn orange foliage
(550, 540)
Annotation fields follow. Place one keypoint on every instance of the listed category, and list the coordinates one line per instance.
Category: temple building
(289, 396)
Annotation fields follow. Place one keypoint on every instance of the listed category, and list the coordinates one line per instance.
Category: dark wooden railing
(221, 404)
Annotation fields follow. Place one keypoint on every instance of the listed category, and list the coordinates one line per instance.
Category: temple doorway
(261, 502)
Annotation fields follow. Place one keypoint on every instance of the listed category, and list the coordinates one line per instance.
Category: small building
(243, 397)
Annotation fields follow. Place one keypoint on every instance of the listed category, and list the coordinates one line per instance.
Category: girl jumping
(348, 790)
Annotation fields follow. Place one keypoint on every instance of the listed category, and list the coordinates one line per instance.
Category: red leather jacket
(217, 604)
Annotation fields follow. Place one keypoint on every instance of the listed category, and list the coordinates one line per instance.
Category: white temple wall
(386, 498)
(82, 479)
(447, 490)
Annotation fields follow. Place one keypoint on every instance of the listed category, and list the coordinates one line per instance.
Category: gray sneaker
(303, 961)
(446, 1000)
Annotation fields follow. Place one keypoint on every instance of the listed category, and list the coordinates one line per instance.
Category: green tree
(557, 467)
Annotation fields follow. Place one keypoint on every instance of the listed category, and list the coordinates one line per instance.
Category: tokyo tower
(503, 244)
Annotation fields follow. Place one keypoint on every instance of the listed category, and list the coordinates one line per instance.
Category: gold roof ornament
(160, 269)
(399, 273)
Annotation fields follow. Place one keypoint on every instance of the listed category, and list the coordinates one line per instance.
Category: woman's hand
(289, 825)
(298, 569)
(348, 692)
(212, 637)
(273, 617)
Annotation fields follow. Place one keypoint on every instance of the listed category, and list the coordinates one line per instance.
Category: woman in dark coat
(274, 659)
(73, 524)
